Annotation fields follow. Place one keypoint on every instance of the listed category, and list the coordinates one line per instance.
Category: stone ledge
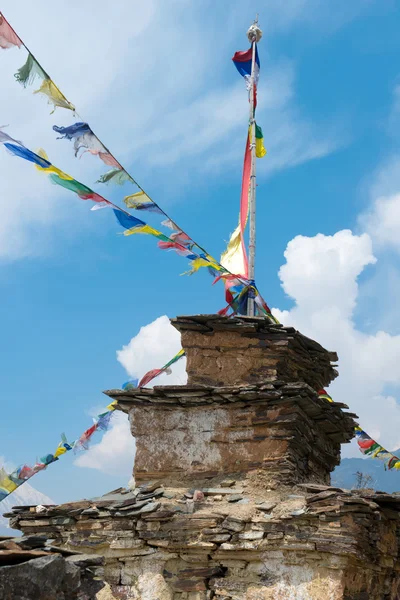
(330, 416)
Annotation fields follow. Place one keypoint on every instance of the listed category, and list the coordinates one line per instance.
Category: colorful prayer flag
(117, 176)
(243, 61)
(127, 221)
(8, 37)
(55, 97)
(141, 201)
(260, 149)
(29, 71)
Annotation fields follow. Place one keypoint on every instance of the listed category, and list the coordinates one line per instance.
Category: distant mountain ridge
(24, 495)
(385, 481)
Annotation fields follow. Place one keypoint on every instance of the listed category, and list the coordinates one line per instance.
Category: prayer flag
(141, 201)
(260, 149)
(127, 221)
(23, 152)
(243, 61)
(117, 176)
(57, 98)
(29, 71)
(8, 37)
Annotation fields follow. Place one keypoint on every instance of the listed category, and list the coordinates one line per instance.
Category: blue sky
(158, 85)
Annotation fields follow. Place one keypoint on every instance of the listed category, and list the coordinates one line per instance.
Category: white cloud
(151, 348)
(383, 220)
(320, 275)
(321, 272)
(114, 454)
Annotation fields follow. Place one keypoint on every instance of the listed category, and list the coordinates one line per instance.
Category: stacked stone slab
(282, 429)
(232, 501)
(248, 350)
(232, 543)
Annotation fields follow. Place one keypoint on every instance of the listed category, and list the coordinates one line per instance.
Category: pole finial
(254, 33)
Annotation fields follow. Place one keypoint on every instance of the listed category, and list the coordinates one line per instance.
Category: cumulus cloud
(321, 275)
(114, 453)
(151, 348)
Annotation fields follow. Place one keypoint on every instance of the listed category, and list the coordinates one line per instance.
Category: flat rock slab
(14, 557)
(221, 491)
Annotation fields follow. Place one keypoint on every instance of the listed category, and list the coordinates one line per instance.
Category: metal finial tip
(254, 33)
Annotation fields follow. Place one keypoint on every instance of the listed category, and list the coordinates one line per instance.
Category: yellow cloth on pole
(232, 259)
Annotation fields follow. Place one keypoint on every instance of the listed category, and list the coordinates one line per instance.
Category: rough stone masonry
(233, 500)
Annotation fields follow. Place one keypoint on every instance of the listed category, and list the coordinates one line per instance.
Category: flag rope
(367, 445)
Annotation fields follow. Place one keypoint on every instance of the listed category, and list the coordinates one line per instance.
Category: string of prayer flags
(26, 74)
(150, 375)
(84, 138)
(56, 175)
(370, 447)
(11, 481)
(367, 445)
(128, 222)
(8, 37)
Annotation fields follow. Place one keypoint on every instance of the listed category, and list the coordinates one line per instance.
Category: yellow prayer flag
(260, 149)
(60, 450)
(52, 169)
(57, 98)
(143, 229)
(112, 406)
(134, 200)
(6, 483)
(199, 262)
